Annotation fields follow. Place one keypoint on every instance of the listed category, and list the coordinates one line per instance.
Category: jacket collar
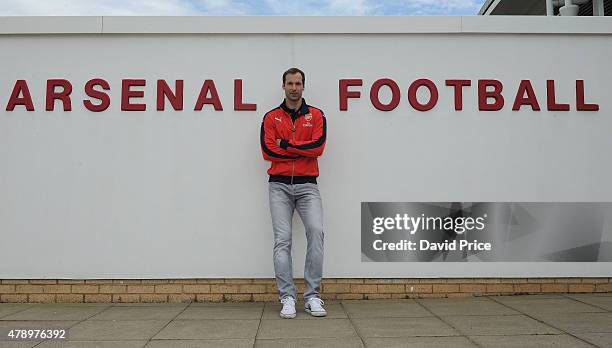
(302, 111)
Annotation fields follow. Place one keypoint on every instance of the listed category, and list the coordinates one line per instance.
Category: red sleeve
(313, 147)
(270, 150)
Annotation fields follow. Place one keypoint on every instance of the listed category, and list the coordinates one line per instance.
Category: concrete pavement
(556, 320)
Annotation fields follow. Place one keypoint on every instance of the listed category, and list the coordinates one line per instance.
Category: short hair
(294, 71)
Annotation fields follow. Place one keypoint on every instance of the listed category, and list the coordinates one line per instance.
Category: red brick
(419, 288)
(153, 298)
(126, 298)
(154, 281)
(43, 281)
(238, 297)
(603, 287)
(28, 289)
(391, 289)
(41, 298)
(364, 288)
(169, 289)
(581, 287)
(238, 281)
(98, 281)
(56, 289)
(181, 298)
(527, 288)
(500, 288)
(14, 281)
(140, 289)
(7, 289)
(85, 289)
(113, 289)
(209, 298)
(97, 298)
(348, 280)
(196, 289)
(555, 287)
(14, 298)
(445, 288)
(472, 288)
(595, 280)
(225, 289)
(69, 298)
(337, 288)
(253, 289)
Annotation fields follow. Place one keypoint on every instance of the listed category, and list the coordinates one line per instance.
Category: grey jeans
(306, 199)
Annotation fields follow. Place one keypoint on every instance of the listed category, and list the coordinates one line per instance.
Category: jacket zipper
(292, 137)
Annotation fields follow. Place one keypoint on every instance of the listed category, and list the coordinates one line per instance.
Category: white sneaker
(314, 307)
(288, 310)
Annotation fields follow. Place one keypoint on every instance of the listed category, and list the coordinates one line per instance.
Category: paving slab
(26, 324)
(600, 294)
(530, 341)
(19, 324)
(524, 297)
(10, 308)
(227, 304)
(552, 305)
(221, 343)
(421, 342)
(215, 312)
(597, 338)
(92, 344)
(385, 309)
(152, 304)
(57, 312)
(334, 311)
(333, 342)
(209, 329)
(112, 330)
(401, 327)
(138, 313)
(579, 322)
(499, 325)
(604, 302)
(467, 306)
(28, 344)
(492, 321)
(290, 328)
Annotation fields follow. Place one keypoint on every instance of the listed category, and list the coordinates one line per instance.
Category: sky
(238, 7)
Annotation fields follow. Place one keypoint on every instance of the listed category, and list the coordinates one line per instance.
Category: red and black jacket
(302, 133)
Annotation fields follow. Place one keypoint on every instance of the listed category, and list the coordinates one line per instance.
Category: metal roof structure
(538, 7)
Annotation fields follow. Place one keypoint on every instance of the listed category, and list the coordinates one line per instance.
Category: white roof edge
(51, 25)
(306, 25)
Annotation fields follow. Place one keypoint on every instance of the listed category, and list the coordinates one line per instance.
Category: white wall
(184, 193)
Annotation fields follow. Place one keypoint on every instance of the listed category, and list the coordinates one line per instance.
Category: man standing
(292, 137)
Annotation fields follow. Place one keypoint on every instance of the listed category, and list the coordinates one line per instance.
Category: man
(292, 137)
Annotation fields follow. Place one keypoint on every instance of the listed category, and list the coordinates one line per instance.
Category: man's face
(293, 87)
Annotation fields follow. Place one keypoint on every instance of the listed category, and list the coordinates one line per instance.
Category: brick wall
(217, 290)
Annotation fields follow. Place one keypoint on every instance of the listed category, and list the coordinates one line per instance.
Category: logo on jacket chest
(308, 118)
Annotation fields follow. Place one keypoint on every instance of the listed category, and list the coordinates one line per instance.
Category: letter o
(412, 94)
(395, 94)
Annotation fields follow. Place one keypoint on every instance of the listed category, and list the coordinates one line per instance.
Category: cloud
(319, 7)
(237, 7)
(440, 7)
(373, 7)
(96, 8)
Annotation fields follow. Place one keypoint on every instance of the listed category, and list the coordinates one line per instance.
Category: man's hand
(278, 142)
